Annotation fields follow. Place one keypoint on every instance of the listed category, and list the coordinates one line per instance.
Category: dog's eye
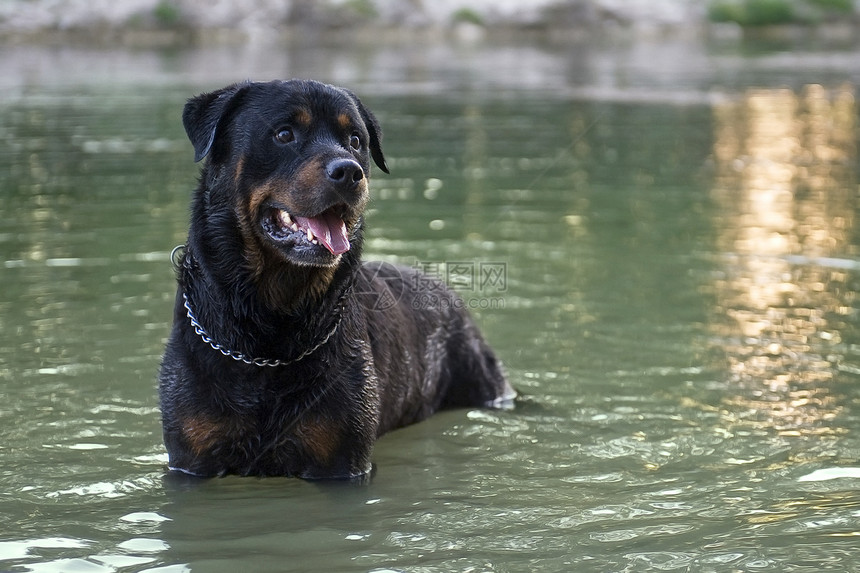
(355, 142)
(285, 135)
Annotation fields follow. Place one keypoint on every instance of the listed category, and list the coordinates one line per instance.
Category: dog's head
(291, 159)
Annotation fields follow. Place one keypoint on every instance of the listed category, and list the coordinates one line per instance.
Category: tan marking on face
(280, 287)
(309, 177)
(303, 118)
(312, 176)
(343, 120)
(364, 196)
(247, 214)
(240, 166)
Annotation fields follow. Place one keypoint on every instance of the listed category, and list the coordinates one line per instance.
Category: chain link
(238, 356)
(181, 257)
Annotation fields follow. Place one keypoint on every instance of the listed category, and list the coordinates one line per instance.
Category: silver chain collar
(238, 356)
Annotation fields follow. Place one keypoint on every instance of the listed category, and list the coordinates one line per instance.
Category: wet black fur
(392, 360)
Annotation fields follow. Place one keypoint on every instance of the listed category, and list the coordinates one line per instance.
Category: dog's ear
(203, 113)
(373, 130)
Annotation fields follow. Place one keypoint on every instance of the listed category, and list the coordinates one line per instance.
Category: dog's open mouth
(328, 228)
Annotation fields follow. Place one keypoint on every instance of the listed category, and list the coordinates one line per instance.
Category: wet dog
(288, 356)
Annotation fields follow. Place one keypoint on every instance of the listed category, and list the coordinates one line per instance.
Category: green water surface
(667, 260)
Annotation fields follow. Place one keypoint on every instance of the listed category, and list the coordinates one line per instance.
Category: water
(662, 244)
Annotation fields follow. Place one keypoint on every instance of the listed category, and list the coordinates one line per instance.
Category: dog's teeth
(286, 220)
(294, 227)
(315, 242)
(310, 235)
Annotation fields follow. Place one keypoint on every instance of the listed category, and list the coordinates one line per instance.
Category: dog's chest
(256, 440)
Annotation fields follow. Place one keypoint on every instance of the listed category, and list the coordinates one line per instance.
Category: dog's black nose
(344, 172)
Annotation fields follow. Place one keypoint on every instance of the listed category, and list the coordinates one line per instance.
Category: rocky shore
(199, 19)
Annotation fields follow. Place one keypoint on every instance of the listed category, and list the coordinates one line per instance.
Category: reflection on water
(786, 189)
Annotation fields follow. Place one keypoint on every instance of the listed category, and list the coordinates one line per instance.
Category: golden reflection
(785, 188)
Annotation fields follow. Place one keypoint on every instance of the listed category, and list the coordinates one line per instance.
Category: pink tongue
(329, 229)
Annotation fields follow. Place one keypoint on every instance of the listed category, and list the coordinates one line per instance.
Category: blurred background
(651, 207)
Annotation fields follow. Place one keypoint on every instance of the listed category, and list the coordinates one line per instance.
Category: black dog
(288, 356)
